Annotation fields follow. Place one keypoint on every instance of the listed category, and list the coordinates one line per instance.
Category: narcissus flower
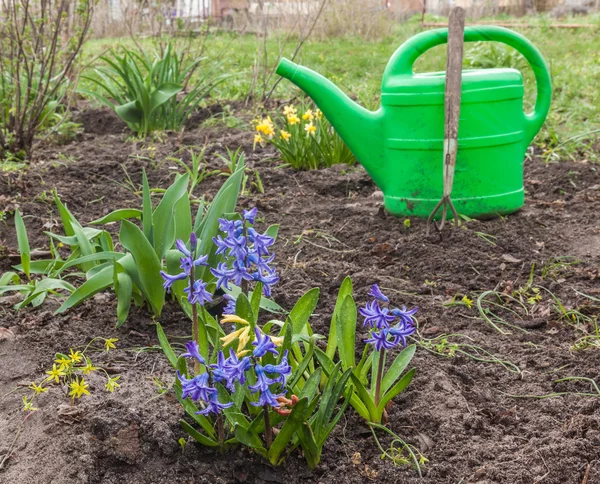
(285, 135)
(292, 119)
(310, 129)
(289, 110)
(258, 140)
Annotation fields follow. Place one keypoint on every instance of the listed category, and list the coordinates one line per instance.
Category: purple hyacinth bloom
(193, 242)
(401, 331)
(283, 369)
(263, 345)
(237, 368)
(405, 315)
(380, 340)
(263, 382)
(213, 405)
(187, 263)
(268, 279)
(237, 247)
(261, 241)
(221, 244)
(199, 294)
(196, 387)
(377, 294)
(239, 272)
(230, 308)
(169, 280)
(220, 372)
(249, 215)
(375, 316)
(180, 244)
(223, 275)
(193, 352)
(230, 227)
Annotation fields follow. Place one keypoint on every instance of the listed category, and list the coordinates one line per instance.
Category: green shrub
(152, 92)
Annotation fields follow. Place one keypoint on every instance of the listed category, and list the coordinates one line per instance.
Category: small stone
(377, 194)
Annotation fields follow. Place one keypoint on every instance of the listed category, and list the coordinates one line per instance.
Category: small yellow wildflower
(64, 362)
(308, 115)
(55, 373)
(467, 302)
(293, 119)
(289, 111)
(258, 139)
(88, 368)
(78, 388)
(318, 114)
(111, 384)
(110, 344)
(37, 388)
(75, 356)
(285, 135)
(28, 405)
(310, 129)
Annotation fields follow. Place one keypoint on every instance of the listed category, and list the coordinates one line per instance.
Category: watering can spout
(360, 128)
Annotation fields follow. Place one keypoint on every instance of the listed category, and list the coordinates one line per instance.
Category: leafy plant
(304, 141)
(36, 63)
(389, 327)
(143, 89)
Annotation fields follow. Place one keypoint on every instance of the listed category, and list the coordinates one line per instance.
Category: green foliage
(305, 140)
(144, 89)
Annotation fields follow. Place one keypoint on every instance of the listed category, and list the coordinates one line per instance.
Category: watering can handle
(403, 59)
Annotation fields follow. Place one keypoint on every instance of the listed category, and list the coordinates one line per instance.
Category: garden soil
(475, 421)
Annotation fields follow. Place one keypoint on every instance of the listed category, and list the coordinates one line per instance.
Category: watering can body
(401, 144)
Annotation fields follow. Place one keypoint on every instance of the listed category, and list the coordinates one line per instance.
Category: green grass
(356, 65)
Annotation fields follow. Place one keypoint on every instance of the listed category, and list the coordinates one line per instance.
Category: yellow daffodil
(75, 356)
(308, 115)
(37, 388)
(310, 129)
(266, 127)
(258, 139)
(110, 344)
(55, 373)
(293, 119)
(28, 405)
(232, 318)
(285, 135)
(111, 384)
(64, 362)
(318, 114)
(88, 368)
(78, 388)
(289, 111)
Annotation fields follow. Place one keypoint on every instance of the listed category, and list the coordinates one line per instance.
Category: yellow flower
(111, 384)
(232, 318)
(37, 388)
(78, 388)
(75, 356)
(308, 115)
(467, 302)
(289, 111)
(277, 340)
(28, 405)
(318, 114)
(285, 135)
(88, 368)
(55, 373)
(242, 335)
(310, 128)
(258, 139)
(110, 343)
(293, 119)
(266, 127)
(64, 362)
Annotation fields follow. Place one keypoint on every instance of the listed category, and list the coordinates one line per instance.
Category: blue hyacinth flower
(193, 352)
(263, 345)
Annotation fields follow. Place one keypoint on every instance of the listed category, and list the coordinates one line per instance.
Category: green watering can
(400, 145)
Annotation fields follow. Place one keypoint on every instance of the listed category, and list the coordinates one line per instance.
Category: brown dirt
(456, 411)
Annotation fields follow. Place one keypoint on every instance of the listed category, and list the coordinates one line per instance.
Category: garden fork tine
(456, 28)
